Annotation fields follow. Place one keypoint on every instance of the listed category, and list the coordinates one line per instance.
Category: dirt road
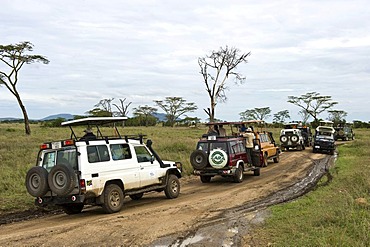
(157, 221)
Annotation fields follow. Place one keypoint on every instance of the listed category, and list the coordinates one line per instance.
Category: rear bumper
(214, 172)
(54, 200)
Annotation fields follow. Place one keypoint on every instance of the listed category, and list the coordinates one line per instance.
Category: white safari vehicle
(99, 170)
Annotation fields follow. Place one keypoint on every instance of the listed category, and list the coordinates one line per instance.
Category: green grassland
(336, 213)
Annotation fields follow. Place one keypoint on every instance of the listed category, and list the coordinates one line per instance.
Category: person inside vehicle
(221, 130)
(242, 128)
(212, 130)
(249, 136)
(89, 135)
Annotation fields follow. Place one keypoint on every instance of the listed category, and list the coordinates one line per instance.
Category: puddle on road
(232, 224)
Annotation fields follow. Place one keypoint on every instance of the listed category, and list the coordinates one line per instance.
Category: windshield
(65, 156)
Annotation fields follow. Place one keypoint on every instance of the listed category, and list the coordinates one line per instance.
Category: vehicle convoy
(292, 137)
(99, 170)
(324, 140)
(344, 133)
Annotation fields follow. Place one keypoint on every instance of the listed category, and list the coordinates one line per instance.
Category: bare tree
(312, 103)
(255, 114)
(122, 108)
(14, 57)
(216, 69)
(175, 107)
(304, 115)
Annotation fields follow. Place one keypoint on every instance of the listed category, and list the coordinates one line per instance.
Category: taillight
(82, 185)
(68, 143)
(45, 146)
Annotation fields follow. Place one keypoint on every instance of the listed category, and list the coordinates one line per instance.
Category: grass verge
(336, 213)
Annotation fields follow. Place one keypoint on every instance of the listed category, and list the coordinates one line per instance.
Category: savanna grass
(335, 213)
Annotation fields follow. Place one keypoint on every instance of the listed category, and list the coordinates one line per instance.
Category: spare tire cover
(198, 159)
(294, 138)
(217, 158)
(283, 138)
(37, 181)
(62, 179)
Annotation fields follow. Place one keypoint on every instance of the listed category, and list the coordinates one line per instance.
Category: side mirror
(152, 159)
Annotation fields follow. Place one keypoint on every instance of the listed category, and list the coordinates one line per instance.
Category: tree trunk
(25, 115)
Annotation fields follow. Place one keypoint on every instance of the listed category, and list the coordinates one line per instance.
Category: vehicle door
(150, 170)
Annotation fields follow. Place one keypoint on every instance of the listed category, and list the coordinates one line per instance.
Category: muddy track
(214, 214)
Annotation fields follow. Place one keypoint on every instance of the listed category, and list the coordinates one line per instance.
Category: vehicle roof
(235, 123)
(93, 121)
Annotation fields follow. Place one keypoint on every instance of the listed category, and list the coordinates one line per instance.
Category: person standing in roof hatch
(89, 135)
(249, 137)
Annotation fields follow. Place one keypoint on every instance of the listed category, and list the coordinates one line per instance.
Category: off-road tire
(239, 175)
(62, 179)
(172, 189)
(73, 208)
(257, 172)
(283, 138)
(276, 159)
(265, 160)
(198, 159)
(137, 196)
(113, 198)
(205, 179)
(294, 138)
(37, 181)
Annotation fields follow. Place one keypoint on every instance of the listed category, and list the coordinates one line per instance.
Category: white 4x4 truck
(99, 170)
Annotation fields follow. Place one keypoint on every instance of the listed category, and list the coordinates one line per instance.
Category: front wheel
(265, 160)
(172, 189)
(276, 158)
(239, 175)
(113, 198)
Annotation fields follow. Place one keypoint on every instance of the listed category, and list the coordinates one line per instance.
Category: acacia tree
(216, 69)
(255, 114)
(304, 115)
(337, 116)
(102, 109)
(312, 103)
(175, 107)
(14, 57)
(145, 111)
(280, 116)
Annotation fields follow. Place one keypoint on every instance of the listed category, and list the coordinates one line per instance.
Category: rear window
(57, 157)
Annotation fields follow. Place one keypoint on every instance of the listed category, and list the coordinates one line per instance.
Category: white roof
(94, 121)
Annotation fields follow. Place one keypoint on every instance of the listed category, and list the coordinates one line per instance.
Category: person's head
(249, 130)
(88, 130)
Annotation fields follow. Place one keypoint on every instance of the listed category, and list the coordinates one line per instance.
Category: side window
(234, 147)
(120, 151)
(203, 146)
(98, 153)
(48, 161)
(142, 154)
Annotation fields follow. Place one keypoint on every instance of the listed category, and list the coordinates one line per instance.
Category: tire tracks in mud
(229, 226)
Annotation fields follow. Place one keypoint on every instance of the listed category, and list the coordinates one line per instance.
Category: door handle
(141, 168)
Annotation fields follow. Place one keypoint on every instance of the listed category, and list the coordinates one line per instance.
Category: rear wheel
(113, 198)
(73, 208)
(257, 172)
(239, 175)
(205, 179)
(172, 189)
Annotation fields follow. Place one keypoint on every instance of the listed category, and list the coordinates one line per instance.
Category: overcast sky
(149, 50)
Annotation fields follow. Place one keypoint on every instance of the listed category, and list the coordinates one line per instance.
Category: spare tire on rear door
(37, 181)
(198, 159)
(62, 179)
(217, 158)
